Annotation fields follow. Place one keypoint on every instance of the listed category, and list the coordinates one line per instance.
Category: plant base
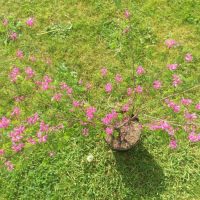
(129, 135)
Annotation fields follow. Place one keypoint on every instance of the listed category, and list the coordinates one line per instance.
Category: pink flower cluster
(172, 67)
(17, 134)
(140, 70)
(190, 116)
(65, 87)
(104, 71)
(45, 84)
(14, 74)
(109, 117)
(173, 144)
(171, 104)
(57, 97)
(193, 137)
(109, 130)
(162, 125)
(30, 22)
(90, 112)
(32, 120)
(13, 36)
(198, 106)
(9, 165)
(186, 102)
(170, 43)
(29, 72)
(129, 91)
(139, 89)
(157, 84)
(2, 151)
(20, 54)
(76, 104)
(108, 87)
(4, 122)
(176, 80)
(188, 57)
(42, 138)
(16, 112)
(118, 78)
(44, 127)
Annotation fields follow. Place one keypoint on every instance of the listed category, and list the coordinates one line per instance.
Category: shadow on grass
(142, 176)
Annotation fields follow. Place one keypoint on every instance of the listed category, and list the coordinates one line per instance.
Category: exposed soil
(128, 137)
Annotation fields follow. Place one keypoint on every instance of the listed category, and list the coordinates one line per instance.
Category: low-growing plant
(36, 105)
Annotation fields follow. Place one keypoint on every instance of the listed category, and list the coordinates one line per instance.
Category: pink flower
(173, 144)
(32, 120)
(172, 66)
(129, 91)
(13, 36)
(43, 139)
(198, 106)
(157, 84)
(76, 104)
(171, 104)
(57, 97)
(109, 117)
(63, 86)
(14, 74)
(88, 86)
(108, 87)
(140, 70)
(29, 72)
(85, 132)
(176, 108)
(69, 90)
(17, 147)
(170, 43)
(17, 134)
(162, 125)
(16, 112)
(188, 57)
(5, 22)
(186, 102)
(20, 54)
(9, 165)
(31, 141)
(109, 131)
(118, 78)
(104, 71)
(139, 89)
(44, 127)
(4, 122)
(19, 98)
(90, 112)
(193, 137)
(127, 14)
(45, 83)
(176, 80)
(125, 108)
(2, 151)
(190, 116)
(30, 22)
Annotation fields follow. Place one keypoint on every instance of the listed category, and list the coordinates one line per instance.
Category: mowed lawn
(83, 36)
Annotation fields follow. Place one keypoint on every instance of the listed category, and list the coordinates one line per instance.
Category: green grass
(150, 170)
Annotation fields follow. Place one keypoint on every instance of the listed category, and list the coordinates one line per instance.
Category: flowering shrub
(36, 97)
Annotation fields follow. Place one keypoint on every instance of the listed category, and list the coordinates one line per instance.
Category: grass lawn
(81, 36)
